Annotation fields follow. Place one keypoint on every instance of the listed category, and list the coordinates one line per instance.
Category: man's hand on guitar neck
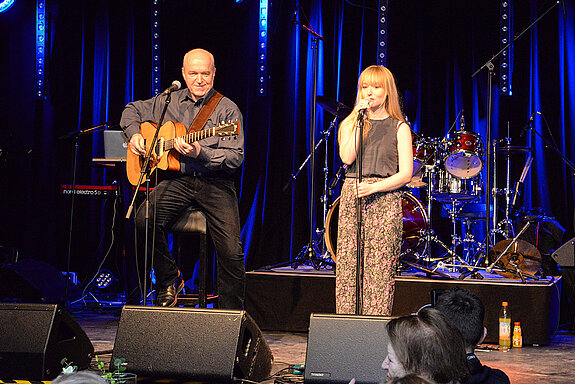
(137, 144)
(190, 150)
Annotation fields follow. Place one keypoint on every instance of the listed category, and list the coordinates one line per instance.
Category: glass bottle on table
(504, 327)
(517, 337)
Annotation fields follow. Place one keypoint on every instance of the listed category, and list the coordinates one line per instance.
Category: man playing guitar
(203, 181)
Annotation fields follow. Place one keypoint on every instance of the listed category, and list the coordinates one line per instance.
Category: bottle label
(504, 329)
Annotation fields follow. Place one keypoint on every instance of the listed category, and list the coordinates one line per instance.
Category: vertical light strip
(156, 56)
(382, 32)
(39, 82)
(263, 49)
(505, 36)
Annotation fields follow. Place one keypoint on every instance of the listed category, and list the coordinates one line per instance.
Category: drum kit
(449, 171)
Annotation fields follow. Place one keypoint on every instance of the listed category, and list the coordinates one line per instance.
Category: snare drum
(463, 158)
(447, 188)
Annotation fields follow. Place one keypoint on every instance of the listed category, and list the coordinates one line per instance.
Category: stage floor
(554, 363)
(305, 289)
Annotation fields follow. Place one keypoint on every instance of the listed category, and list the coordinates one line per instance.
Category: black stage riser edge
(342, 347)
(284, 301)
(189, 343)
(34, 338)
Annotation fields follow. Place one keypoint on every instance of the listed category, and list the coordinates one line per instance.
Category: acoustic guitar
(164, 156)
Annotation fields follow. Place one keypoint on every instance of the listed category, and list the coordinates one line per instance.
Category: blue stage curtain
(99, 59)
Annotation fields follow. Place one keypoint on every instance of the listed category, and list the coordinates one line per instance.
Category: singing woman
(387, 164)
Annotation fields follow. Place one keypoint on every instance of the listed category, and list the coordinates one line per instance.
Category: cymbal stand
(471, 246)
(429, 234)
(505, 226)
(456, 240)
(317, 245)
(489, 268)
(429, 172)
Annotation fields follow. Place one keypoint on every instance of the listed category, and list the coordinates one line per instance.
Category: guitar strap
(205, 113)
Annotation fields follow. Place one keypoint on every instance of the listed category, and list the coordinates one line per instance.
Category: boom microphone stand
(309, 253)
(489, 65)
(567, 162)
(145, 174)
(76, 135)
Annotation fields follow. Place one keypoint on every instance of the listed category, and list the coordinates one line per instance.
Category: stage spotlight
(104, 279)
(5, 5)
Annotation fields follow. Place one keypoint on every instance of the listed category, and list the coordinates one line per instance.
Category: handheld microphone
(293, 20)
(174, 87)
(337, 177)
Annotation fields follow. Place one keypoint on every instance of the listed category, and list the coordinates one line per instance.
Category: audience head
(426, 344)
(466, 312)
(410, 379)
(82, 377)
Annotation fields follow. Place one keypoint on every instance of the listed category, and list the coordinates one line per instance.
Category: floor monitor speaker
(34, 338)
(343, 347)
(565, 255)
(34, 281)
(189, 343)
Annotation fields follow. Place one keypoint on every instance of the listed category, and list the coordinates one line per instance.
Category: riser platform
(284, 300)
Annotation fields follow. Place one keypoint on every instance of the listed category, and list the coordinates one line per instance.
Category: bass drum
(414, 223)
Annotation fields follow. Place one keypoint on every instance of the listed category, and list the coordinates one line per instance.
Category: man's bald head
(199, 71)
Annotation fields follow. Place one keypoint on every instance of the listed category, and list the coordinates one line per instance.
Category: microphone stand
(76, 135)
(359, 255)
(145, 173)
(489, 65)
(310, 254)
(568, 162)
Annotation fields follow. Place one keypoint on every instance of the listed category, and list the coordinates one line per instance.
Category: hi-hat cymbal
(511, 149)
(416, 182)
(521, 254)
(334, 107)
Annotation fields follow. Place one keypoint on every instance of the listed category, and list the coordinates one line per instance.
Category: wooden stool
(193, 222)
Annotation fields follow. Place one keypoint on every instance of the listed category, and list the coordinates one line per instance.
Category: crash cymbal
(521, 253)
(512, 149)
(334, 107)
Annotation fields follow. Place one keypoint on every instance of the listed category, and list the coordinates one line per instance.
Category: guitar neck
(191, 137)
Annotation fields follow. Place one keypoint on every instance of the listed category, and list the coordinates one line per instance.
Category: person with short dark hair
(466, 311)
(426, 344)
